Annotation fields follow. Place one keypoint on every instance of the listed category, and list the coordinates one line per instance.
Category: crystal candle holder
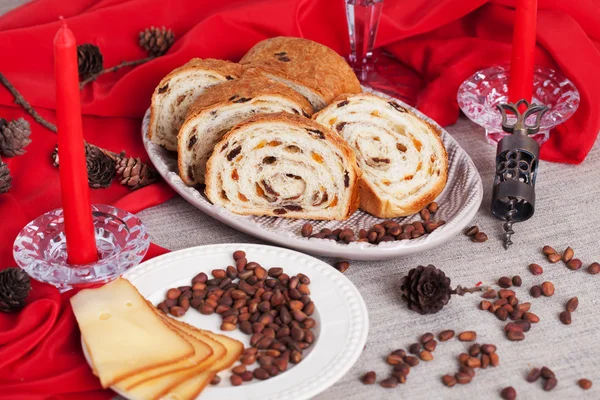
(41, 248)
(480, 93)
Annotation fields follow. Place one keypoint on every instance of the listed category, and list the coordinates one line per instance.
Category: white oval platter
(459, 202)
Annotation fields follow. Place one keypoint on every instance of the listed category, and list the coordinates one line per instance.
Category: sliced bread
(220, 108)
(402, 158)
(283, 165)
(178, 90)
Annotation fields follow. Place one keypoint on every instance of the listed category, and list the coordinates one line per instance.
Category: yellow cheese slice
(157, 387)
(122, 333)
(202, 352)
(191, 388)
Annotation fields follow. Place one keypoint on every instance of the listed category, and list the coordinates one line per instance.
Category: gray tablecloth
(567, 213)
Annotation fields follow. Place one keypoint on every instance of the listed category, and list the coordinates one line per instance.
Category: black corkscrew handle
(517, 157)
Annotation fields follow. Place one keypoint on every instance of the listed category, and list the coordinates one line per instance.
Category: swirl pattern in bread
(178, 90)
(283, 165)
(312, 69)
(402, 158)
(220, 108)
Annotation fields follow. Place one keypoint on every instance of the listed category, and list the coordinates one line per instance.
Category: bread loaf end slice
(178, 90)
(312, 69)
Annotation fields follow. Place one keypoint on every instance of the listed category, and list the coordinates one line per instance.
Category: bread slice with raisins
(178, 90)
(220, 108)
(283, 165)
(403, 160)
(312, 69)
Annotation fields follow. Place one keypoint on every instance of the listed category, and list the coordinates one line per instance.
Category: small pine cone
(5, 178)
(426, 289)
(89, 60)
(101, 168)
(134, 173)
(14, 137)
(156, 41)
(14, 289)
(55, 160)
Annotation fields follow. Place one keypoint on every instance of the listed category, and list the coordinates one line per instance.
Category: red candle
(75, 192)
(523, 52)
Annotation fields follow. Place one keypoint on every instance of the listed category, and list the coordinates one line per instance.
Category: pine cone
(156, 41)
(14, 289)
(426, 289)
(100, 167)
(5, 178)
(14, 137)
(134, 173)
(89, 60)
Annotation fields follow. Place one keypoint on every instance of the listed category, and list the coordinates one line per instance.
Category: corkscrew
(513, 197)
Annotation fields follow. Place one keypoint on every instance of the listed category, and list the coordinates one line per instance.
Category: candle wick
(62, 19)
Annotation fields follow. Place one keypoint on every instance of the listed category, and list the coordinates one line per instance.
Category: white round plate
(458, 202)
(340, 312)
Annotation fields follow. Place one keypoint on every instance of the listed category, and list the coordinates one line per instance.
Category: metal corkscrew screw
(513, 197)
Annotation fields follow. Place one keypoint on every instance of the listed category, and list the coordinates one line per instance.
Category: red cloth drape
(441, 42)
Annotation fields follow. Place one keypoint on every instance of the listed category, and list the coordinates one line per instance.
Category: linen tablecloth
(567, 214)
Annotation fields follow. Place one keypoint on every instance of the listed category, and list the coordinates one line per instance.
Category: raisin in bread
(220, 108)
(402, 158)
(312, 69)
(178, 90)
(283, 165)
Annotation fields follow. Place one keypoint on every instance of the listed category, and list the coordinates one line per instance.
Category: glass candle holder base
(479, 95)
(41, 248)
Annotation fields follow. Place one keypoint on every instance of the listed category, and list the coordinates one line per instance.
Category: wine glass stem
(363, 20)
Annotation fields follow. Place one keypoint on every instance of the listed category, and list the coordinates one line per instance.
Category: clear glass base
(384, 73)
(40, 248)
(373, 68)
(479, 95)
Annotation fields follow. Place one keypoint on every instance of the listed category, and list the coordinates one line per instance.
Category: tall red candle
(75, 192)
(523, 52)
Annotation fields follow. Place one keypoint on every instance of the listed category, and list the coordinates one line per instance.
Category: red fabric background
(440, 42)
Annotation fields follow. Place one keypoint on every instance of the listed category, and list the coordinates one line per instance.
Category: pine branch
(20, 100)
(114, 69)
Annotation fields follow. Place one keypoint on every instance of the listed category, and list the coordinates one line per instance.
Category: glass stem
(363, 20)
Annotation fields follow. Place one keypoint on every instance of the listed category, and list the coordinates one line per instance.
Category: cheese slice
(157, 387)
(192, 387)
(202, 352)
(123, 334)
